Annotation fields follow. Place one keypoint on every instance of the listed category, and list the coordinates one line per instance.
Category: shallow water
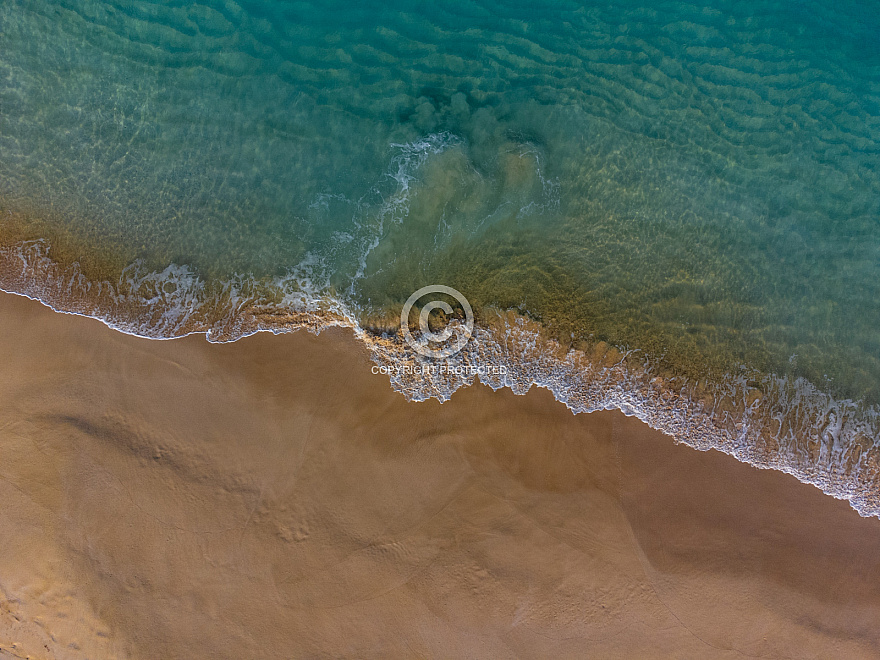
(697, 184)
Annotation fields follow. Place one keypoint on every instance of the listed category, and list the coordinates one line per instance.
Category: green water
(699, 182)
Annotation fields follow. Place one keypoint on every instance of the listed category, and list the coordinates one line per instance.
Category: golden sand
(272, 498)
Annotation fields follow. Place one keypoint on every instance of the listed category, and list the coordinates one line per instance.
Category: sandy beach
(272, 498)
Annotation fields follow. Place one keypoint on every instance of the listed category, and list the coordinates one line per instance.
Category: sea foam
(767, 421)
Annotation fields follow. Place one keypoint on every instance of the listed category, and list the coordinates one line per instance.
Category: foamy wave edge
(769, 422)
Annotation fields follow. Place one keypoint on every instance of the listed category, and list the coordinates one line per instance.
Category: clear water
(696, 182)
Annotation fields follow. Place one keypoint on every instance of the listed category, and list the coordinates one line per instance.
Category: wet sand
(272, 498)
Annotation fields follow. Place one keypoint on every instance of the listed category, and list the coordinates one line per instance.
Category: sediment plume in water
(765, 420)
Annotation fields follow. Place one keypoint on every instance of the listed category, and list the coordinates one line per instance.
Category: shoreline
(266, 495)
(763, 420)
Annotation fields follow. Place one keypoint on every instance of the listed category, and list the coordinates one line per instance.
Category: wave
(768, 421)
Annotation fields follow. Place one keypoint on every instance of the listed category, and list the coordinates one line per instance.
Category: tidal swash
(671, 209)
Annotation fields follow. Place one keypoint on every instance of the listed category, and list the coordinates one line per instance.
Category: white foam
(783, 424)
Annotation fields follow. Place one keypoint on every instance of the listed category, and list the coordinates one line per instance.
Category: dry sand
(274, 499)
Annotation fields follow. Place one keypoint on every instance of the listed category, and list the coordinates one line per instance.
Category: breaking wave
(765, 420)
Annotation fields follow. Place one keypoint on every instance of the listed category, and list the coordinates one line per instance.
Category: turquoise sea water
(695, 185)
